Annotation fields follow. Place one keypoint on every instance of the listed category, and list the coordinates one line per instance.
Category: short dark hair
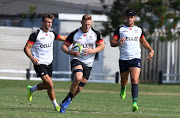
(130, 12)
(47, 16)
(86, 17)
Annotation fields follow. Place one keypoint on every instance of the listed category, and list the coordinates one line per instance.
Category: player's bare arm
(29, 54)
(65, 49)
(100, 47)
(148, 47)
(114, 41)
(62, 38)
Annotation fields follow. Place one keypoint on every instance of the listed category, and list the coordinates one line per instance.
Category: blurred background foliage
(153, 14)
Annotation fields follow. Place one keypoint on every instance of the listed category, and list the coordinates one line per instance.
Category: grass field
(97, 100)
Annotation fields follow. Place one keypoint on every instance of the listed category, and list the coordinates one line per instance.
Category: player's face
(130, 20)
(47, 24)
(86, 24)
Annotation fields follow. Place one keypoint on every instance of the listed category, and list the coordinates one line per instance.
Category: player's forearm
(147, 46)
(28, 52)
(114, 43)
(98, 48)
(62, 38)
(65, 49)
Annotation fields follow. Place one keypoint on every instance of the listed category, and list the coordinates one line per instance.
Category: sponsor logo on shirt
(132, 38)
(125, 31)
(88, 45)
(46, 45)
(79, 38)
(42, 38)
(136, 31)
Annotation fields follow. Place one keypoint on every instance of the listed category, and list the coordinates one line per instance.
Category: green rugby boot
(57, 108)
(134, 107)
(123, 93)
(29, 93)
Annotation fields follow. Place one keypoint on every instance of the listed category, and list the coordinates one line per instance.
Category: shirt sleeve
(99, 37)
(32, 37)
(57, 36)
(116, 34)
(70, 37)
(142, 34)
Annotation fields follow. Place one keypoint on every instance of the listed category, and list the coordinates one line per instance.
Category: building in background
(25, 17)
(27, 13)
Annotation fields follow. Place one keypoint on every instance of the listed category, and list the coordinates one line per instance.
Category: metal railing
(163, 78)
(28, 73)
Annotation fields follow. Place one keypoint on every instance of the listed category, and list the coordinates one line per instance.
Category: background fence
(166, 60)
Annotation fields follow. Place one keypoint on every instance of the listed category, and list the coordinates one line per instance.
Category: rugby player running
(128, 38)
(81, 63)
(41, 55)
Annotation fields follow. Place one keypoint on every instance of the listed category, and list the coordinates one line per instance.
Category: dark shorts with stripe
(124, 65)
(42, 70)
(86, 69)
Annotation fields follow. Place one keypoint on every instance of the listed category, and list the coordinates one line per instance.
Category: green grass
(97, 100)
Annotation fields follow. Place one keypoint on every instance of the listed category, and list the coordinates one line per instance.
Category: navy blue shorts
(86, 69)
(124, 65)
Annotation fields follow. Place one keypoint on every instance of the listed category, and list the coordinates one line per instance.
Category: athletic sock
(64, 100)
(34, 88)
(69, 95)
(134, 90)
(54, 103)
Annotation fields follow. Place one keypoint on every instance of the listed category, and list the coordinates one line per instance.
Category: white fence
(163, 68)
(29, 76)
(166, 60)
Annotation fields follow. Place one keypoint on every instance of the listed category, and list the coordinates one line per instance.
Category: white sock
(54, 103)
(34, 88)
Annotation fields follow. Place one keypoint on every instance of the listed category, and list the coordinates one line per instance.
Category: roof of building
(13, 7)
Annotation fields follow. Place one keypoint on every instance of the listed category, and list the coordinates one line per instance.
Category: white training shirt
(130, 49)
(88, 39)
(42, 48)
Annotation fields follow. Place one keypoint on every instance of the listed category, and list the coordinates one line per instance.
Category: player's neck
(45, 29)
(131, 25)
(84, 30)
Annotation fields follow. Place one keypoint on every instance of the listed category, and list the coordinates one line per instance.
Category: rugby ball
(77, 47)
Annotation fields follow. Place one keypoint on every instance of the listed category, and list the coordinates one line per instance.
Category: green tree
(162, 14)
(31, 14)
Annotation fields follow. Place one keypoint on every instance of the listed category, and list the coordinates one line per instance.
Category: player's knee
(78, 72)
(77, 79)
(134, 81)
(78, 76)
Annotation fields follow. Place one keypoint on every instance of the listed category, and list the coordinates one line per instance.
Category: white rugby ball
(77, 47)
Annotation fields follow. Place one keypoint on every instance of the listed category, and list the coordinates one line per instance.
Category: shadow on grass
(82, 111)
(28, 109)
